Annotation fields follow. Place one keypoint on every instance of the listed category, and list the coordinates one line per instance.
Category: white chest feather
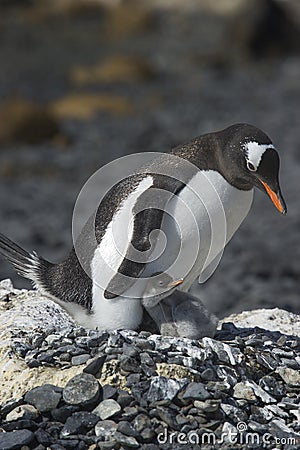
(200, 222)
(119, 312)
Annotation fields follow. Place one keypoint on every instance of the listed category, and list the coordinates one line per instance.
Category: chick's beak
(175, 283)
(276, 198)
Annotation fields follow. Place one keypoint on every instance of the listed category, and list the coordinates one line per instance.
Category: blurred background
(83, 82)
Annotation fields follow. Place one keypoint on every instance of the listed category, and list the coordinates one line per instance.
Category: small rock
(289, 376)
(44, 398)
(109, 392)
(124, 398)
(234, 413)
(79, 423)
(244, 391)
(141, 421)
(105, 428)
(225, 352)
(23, 412)
(95, 366)
(195, 391)
(128, 441)
(126, 428)
(207, 406)
(83, 389)
(80, 359)
(164, 388)
(61, 414)
(208, 374)
(14, 440)
(107, 408)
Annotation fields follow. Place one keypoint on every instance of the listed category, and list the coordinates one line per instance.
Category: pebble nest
(244, 381)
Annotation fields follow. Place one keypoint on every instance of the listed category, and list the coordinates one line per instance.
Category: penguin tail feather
(28, 265)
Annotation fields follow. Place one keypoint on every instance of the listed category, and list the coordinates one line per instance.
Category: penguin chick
(177, 313)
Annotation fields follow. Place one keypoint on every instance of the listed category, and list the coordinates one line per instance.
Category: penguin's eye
(251, 167)
(160, 283)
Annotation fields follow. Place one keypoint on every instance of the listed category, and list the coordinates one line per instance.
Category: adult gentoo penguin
(227, 164)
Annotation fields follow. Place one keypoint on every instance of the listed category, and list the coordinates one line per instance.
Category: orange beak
(276, 199)
(175, 283)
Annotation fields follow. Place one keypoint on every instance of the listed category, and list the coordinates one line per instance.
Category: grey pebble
(79, 423)
(83, 389)
(14, 440)
(44, 398)
(80, 359)
(107, 408)
(195, 391)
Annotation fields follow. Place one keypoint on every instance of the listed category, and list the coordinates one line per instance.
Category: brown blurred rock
(22, 121)
(64, 9)
(263, 28)
(128, 18)
(84, 106)
(116, 68)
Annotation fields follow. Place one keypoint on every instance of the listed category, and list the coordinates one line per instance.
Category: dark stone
(44, 398)
(208, 374)
(144, 344)
(43, 437)
(95, 366)
(269, 384)
(46, 357)
(130, 350)
(125, 427)
(147, 434)
(21, 348)
(53, 428)
(195, 391)
(83, 389)
(109, 392)
(20, 424)
(15, 439)
(141, 422)
(148, 371)
(80, 359)
(130, 412)
(79, 422)
(124, 398)
(69, 443)
(61, 414)
(128, 441)
(129, 364)
(167, 415)
(132, 379)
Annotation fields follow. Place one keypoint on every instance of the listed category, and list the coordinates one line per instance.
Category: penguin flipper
(148, 214)
(137, 254)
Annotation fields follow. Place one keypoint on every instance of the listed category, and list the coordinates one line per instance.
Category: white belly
(202, 219)
(207, 213)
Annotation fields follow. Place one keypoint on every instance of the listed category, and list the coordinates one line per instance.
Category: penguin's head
(253, 161)
(158, 287)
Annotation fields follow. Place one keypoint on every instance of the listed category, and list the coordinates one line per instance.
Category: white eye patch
(254, 152)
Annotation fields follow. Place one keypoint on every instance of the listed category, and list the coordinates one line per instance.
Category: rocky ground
(64, 387)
